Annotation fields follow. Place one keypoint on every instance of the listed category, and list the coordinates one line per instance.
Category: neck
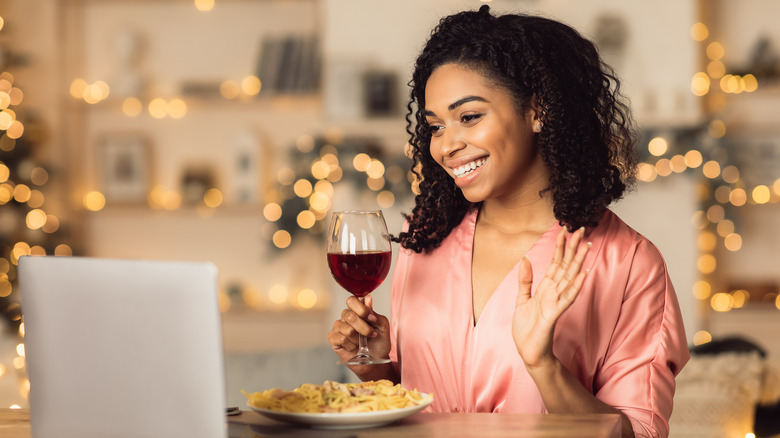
(520, 214)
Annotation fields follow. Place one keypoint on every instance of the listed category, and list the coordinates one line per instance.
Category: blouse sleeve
(396, 295)
(648, 347)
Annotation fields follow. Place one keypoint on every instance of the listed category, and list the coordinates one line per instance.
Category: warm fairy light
(17, 95)
(272, 212)
(722, 302)
(722, 194)
(699, 31)
(5, 100)
(716, 69)
(375, 184)
(132, 107)
(725, 227)
(223, 300)
(306, 219)
(158, 108)
(229, 89)
(304, 143)
(706, 263)
(733, 242)
(738, 197)
(702, 337)
(307, 298)
(777, 301)
(677, 163)
(252, 297)
(5, 288)
(700, 84)
(36, 199)
(63, 250)
(776, 187)
(361, 162)
(711, 169)
(7, 144)
(658, 146)
(204, 5)
(77, 88)
(707, 241)
(320, 169)
(278, 294)
(324, 187)
(740, 297)
(52, 224)
(36, 219)
(715, 51)
(251, 85)
(715, 214)
(213, 198)
(285, 176)
(319, 202)
(20, 349)
(729, 84)
(22, 193)
(750, 83)
(6, 193)
(2, 370)
(385, 199)
(282, 239)
(761, 194)
(302, 188)
(716, 128)
(702, 290)
(39, 176)
(730, 174)
(335, 175)
(177, 108)
(663, 167)
(750, 435)
(6, 119)
(375, 169)
(5, 173)
(15, 130)
(94, 201)
(646, 172)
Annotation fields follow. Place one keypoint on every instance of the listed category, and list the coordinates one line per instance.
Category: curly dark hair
(588, 138)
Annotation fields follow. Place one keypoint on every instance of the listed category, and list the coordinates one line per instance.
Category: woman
(519, 134)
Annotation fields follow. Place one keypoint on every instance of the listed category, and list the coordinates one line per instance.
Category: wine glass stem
(362, 341)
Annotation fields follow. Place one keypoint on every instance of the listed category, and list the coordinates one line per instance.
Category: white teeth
(468, 168)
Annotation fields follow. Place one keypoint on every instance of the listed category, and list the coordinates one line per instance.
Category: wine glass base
(363, 360)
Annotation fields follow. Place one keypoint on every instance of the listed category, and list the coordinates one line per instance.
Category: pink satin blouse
(622, 338)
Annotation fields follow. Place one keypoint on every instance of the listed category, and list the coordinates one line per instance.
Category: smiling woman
(520, 291)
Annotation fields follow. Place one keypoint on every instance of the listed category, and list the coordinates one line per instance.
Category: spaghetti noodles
(333, 397)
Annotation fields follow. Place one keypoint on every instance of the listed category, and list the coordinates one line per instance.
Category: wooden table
(15, 423)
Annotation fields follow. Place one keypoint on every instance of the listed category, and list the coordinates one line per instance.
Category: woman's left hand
(535, 316)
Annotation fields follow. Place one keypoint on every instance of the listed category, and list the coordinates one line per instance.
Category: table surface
(15, 423)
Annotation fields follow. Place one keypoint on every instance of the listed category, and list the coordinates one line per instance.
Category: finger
(574, 290)
(572, 244)
(340, 338)
(525, 279)
(557, 253)
(575, 266)
(357, 323)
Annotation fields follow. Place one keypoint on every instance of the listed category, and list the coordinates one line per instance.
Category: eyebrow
(457, 103)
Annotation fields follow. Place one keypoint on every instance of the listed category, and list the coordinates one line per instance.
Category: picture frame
(125, 168)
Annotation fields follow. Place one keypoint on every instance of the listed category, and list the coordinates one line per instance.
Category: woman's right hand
(359, 318)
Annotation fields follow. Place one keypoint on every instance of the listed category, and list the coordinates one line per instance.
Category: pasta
(333, 397)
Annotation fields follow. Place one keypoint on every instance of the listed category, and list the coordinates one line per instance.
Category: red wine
(360, 273)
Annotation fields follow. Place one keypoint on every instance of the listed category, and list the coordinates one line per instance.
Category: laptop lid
(122, 348)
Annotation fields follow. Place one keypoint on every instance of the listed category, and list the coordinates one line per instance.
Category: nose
(451, 142)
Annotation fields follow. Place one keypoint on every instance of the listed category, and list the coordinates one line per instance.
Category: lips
(467, 168)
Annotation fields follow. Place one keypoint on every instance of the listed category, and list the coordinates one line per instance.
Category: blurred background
(227, 130)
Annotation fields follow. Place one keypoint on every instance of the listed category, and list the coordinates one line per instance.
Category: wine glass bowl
(359, 257)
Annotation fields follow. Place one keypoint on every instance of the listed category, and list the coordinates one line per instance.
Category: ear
(534, 115)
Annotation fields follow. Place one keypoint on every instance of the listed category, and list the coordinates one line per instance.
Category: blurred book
(289, 64)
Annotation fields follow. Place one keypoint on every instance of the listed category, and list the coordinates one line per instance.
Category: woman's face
(480, 138)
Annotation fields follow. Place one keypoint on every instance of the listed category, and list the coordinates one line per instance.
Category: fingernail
(590, 244)
(582, 229)
(374, 334)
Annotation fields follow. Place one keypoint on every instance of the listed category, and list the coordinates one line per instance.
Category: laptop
(122, 348)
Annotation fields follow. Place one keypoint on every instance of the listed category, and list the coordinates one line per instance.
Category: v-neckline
(473, 217)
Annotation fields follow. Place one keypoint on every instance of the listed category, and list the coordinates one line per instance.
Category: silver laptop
(122, 348)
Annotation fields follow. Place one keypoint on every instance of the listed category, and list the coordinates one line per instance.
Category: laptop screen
(122, 348)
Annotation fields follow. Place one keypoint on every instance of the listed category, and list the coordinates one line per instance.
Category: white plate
(347, 420)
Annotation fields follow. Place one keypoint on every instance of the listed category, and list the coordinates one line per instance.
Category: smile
(468, 167)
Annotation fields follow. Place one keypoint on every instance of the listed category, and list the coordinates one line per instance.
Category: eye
(435, 128)
(470, 118)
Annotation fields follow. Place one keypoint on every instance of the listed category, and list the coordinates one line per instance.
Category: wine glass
(359, 257)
